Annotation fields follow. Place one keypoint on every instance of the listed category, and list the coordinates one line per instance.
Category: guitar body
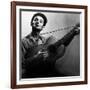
(48, 47)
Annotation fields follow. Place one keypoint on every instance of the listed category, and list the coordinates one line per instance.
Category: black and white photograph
(49, 44)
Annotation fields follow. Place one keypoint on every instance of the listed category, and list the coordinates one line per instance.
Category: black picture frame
(14, 4)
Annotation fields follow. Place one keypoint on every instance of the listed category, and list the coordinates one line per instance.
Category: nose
(37, 22)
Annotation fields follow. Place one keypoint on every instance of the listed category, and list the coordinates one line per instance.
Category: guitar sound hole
(52, 49)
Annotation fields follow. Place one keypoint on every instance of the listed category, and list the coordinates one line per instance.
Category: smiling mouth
(36, 25)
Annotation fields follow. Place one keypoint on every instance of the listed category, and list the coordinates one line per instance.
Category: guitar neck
(66, 39)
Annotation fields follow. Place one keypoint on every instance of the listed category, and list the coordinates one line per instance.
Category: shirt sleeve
(26, 44)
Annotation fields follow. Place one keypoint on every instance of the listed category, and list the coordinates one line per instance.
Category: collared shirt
(30, 41)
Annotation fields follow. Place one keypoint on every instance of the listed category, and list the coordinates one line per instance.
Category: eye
(36, 19)
(41, 21)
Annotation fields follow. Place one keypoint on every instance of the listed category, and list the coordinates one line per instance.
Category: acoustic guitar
(52, 48)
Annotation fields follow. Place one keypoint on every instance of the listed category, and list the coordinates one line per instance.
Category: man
(42, 64)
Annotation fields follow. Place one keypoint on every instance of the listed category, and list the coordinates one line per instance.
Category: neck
(35, 32)
(66, 39)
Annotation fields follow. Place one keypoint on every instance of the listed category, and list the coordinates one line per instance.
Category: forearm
(69, 38)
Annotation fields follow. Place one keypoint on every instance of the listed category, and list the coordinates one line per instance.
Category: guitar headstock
(77, 25)
(77, 28)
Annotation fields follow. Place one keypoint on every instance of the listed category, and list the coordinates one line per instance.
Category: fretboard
(66, 39)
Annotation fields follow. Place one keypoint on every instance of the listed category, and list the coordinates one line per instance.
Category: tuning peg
(78, 25)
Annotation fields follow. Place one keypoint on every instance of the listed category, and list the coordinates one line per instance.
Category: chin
(37, 29)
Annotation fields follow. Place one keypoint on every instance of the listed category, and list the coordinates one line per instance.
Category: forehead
(39, 17)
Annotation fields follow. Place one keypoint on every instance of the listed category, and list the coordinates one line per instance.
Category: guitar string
(53, 31)
(61, 29)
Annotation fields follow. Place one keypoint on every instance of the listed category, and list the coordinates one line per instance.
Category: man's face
(38, 22)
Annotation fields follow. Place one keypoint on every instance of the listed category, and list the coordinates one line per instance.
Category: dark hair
(42, 15)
